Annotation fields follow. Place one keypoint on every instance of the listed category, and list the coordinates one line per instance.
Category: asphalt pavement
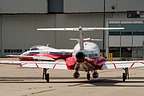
(17, 81)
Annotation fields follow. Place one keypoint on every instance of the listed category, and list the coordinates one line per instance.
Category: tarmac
(18, 81)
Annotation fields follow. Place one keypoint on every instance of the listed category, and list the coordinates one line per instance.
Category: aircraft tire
(76, 75)
(88, 76)
(47, 77)
(124, 77)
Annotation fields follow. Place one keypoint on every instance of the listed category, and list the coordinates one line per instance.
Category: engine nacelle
(97, 62)
(80, 57)
(95, 75)
(70, 63)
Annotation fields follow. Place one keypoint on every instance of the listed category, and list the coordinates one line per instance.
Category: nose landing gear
(45, 74)
(125, 75)
(88, 75)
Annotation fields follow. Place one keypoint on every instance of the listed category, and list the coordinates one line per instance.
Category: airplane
(44, 53)
(85, 57)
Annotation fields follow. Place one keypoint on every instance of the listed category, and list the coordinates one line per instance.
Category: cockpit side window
(33, 52)
(91, 55)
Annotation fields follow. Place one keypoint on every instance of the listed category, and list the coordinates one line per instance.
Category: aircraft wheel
(124, 77)
(76, 75)
(47, 77)
(88, 76)
(95, 75)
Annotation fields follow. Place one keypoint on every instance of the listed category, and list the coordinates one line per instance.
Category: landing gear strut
(45, 74)
(94, 75)
(88, 75)
(125, 74)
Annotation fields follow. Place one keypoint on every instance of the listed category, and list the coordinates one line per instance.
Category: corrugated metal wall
(98, 5)
(68, 6)
(19, 31)
(76, 20)
(0, 35)
(23, 6)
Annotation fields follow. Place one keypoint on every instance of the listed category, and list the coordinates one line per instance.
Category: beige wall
(19, 31)
(76, 20)
(70, 6)
(83, 6)
(0, 26)
(23, 6)
(98, 5)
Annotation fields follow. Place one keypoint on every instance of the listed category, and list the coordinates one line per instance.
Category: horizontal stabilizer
(86, 39)
(79, 29)
(58, 29)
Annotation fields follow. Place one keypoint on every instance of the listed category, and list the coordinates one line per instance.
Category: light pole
(103, 52)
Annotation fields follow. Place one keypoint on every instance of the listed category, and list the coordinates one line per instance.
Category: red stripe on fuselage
(54, 56)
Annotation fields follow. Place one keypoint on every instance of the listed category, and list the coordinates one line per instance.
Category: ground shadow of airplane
(81, 82)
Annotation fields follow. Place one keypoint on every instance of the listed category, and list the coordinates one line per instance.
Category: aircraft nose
(80, 57)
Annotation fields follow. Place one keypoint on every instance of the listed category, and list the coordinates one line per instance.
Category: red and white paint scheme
(43, 53)
(85, 57)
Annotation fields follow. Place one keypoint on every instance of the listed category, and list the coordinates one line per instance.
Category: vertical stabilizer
(81, 38)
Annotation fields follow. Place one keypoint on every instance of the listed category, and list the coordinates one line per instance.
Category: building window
(12, 50)
(130, 29)
(137, 52)
(115, 51)
(127, 44)
(126, 51)
(138, 33)
(121, 51)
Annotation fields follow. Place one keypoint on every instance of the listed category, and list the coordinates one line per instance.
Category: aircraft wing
(122, 64)
(33, 57)
(62, 65)
(37, 64)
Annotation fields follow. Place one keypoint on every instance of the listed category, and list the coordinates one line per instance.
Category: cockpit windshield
(40, 47)
(36, 47)
(33, 48)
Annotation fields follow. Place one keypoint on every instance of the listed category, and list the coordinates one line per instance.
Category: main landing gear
(94, 75)
(45, 74)
(88, 76)
(125, 75)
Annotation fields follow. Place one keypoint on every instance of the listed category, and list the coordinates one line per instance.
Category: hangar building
(19, 20)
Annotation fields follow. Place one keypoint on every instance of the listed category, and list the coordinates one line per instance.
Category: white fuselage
(90, 50)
